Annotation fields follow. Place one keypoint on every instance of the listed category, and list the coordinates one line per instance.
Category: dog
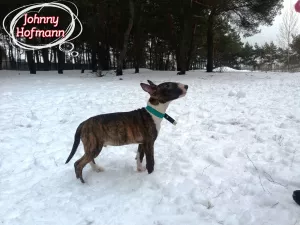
(140, 127)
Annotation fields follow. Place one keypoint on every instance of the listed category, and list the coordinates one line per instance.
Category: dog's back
(120, 128)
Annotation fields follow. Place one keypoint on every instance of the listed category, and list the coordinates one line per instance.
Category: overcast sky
(270, 33)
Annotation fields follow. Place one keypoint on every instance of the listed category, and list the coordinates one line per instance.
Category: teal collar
(155, 112)
(160, 115)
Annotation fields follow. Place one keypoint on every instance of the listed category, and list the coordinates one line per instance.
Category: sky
(270, 33)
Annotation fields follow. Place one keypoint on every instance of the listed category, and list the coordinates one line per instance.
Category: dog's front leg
(149, 151)
(139, 158)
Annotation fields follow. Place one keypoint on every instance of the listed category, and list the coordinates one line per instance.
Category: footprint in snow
(227, 152)
(212, 160)
(241, 94)
(199, 198)
(62, 121)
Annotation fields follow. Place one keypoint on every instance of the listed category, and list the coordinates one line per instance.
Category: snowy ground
(233, 158)
(228, 69)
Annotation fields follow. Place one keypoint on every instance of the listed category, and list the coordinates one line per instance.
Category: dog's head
(164, 92)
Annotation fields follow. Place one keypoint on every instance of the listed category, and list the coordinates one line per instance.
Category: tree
(243, 14)
(272, 54)
(227, 47)
(288, 29)
(269, 55)
(247, 54)
(31, 62)
(295, 45)
(138, 33)
(126, 39)
(2, 55)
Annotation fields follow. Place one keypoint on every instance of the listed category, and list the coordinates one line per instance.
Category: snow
(231, 159)
(228, 69)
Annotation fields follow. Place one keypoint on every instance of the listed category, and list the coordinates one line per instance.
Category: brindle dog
(136, 127)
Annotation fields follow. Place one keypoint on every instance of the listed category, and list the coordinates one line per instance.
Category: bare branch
(257, 172)
(293, 158)
(269, 178)
(287, 30)
(219, 194)
(200, 3)
(205, 168)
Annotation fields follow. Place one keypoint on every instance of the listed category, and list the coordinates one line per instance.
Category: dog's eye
(166, 85)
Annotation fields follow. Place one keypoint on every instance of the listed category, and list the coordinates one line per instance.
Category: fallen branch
(258, 172)
(219, 194)
(205, 168)
(269, 178)
(293, 158)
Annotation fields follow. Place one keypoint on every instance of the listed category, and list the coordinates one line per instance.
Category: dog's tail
(76, 142)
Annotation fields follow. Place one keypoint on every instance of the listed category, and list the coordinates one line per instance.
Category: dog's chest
(157, 122)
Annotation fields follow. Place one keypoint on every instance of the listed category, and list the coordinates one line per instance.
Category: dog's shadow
(118, 171)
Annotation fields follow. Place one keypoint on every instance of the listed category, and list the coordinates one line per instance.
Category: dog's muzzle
(183, 88)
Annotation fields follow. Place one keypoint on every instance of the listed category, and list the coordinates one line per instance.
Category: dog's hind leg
(93, 164)
(80, 164)
(96, 167)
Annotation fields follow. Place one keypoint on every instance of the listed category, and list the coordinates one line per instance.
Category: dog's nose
(186, 87)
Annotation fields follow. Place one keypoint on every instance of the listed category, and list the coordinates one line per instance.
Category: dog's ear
(151, 83)
(148, 88)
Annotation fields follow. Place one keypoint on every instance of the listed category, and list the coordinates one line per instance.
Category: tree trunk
(124, 65)
(150, 53)
(138, 38)
(1, 56)
(36, 55)
(107, 58)
(114, 58)
(31, 62)
(210, 42)
(174, 41)
(51, 58)
(181, 56)
(45, 58)
(11, 57)
(161, 62)
(156, 57)
(126, 39)
(167, 61)
(55, 57)
(51, 55)
(61, 61)
(288, 59)
(137, 68)
(186, 28)
(101, 57)
(138, 50)
(88, 57)
(94, 60)
(178, 59)
(191, 48)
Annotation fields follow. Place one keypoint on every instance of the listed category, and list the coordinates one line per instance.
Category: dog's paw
(150, 169)
(98, 169)
(141, 169)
